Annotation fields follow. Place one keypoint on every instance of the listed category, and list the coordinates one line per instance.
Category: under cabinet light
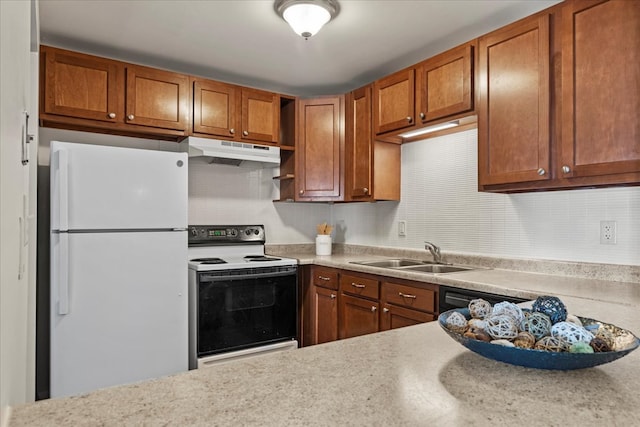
(430, 129)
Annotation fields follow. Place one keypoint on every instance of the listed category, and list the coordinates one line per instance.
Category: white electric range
(241, 302)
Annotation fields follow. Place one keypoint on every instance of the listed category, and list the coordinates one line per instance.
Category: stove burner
(260, 258)
(209, 261)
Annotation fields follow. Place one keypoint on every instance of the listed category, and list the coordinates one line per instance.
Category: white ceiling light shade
(306, 17)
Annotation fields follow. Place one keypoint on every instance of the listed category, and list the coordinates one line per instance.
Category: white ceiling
(245, 42)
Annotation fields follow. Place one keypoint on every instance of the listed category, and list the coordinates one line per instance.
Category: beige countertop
(410, 376)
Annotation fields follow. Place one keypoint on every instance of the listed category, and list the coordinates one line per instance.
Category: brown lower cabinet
(343, 304)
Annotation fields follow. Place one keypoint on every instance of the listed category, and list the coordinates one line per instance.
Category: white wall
(440, 203)
(17, 225)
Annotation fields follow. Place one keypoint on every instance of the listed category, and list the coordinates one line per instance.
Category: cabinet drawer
(408, 296)
(360, 286)
(325, 277)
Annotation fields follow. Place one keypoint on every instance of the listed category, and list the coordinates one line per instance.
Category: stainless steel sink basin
(391, 263)
(437, 268)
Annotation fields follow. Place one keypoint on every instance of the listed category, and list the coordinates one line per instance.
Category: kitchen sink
(391, 263)
(414, 265)
(437, 268)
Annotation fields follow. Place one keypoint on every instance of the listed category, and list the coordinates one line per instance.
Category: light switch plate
(402, 228)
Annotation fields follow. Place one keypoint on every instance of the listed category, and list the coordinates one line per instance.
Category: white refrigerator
(118, 266)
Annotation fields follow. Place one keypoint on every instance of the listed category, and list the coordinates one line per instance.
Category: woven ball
(538, 324)
(580, 347)
(501, 326)
(479, 308)
(599, 345)
(524, 340)
(552, 307)
(550, 343)
(571, 333)
(510, 309)
(505, 343)
(477, 323)
(607, 336)
(456, 322)
(574, 319)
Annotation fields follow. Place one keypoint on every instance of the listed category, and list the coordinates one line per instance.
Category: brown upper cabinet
(444, 84)
(234, 112)
(86, 92)
(559, 99)
(600, 90)
(320, 149)
(514, 103)
(372, 168)
(394, 102)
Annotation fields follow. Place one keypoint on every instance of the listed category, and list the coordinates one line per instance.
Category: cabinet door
(320, 149)
(260, 115)
(445, 84)
(359, 155)
(394, 101)
(358, 316)
(600, 88)
(157, 98)
(82, 86)
(513, 111)
(324, 315)
(398, 317)
(214, 108)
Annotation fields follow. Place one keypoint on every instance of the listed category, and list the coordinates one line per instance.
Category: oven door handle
(205, 278)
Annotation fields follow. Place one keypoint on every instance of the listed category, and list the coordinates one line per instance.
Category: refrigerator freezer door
(126, 318)
(96, 187)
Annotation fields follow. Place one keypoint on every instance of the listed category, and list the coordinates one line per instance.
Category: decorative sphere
(456, 322)
(580, 347)
(571, 333)
(510, 309)
(552, 307)
(599, 345)
(524, 340)
(501, 326)
(550, 343)
(479, 308)
(538, 324)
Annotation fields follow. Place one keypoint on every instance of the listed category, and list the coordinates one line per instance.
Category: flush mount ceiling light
(306, 17)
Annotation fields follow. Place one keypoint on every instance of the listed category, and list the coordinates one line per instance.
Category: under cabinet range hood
(233, 153)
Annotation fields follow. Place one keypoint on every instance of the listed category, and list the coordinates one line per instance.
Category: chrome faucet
(435, 252)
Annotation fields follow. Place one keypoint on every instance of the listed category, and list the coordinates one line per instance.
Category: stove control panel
(226, 234)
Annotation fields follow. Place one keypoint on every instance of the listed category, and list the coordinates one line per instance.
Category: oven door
(245, 308)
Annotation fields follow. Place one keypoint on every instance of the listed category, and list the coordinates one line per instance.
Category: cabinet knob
(232, 131)
(422, 116)
(131, 117)
(245, 132)
(333, 296)
(373, 308)
(409, 119)
(566, 169)
(112, 115)
(385, 310)
(365, 190)
(301, 192)
(541, 171)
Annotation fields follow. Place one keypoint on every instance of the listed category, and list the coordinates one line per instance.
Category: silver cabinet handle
(407, 295)
(373, 308)
(232, 131)
(541, 171)
(131, 117)
(326, 279)
(566, 169)
(112, 115)
(409, 119)
(386, 310)
(245, 132)
(357, 285)
(422, 116)
(333, 296)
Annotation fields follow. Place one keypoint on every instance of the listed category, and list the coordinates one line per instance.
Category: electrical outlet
(402, 228)
(607, 232)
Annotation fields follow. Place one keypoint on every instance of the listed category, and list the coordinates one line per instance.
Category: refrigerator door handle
(63, 275)
(63, 189)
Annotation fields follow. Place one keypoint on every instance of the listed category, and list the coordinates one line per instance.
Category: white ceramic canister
(323, 244)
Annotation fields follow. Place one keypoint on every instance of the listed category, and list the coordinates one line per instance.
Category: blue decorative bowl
(542, 359)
